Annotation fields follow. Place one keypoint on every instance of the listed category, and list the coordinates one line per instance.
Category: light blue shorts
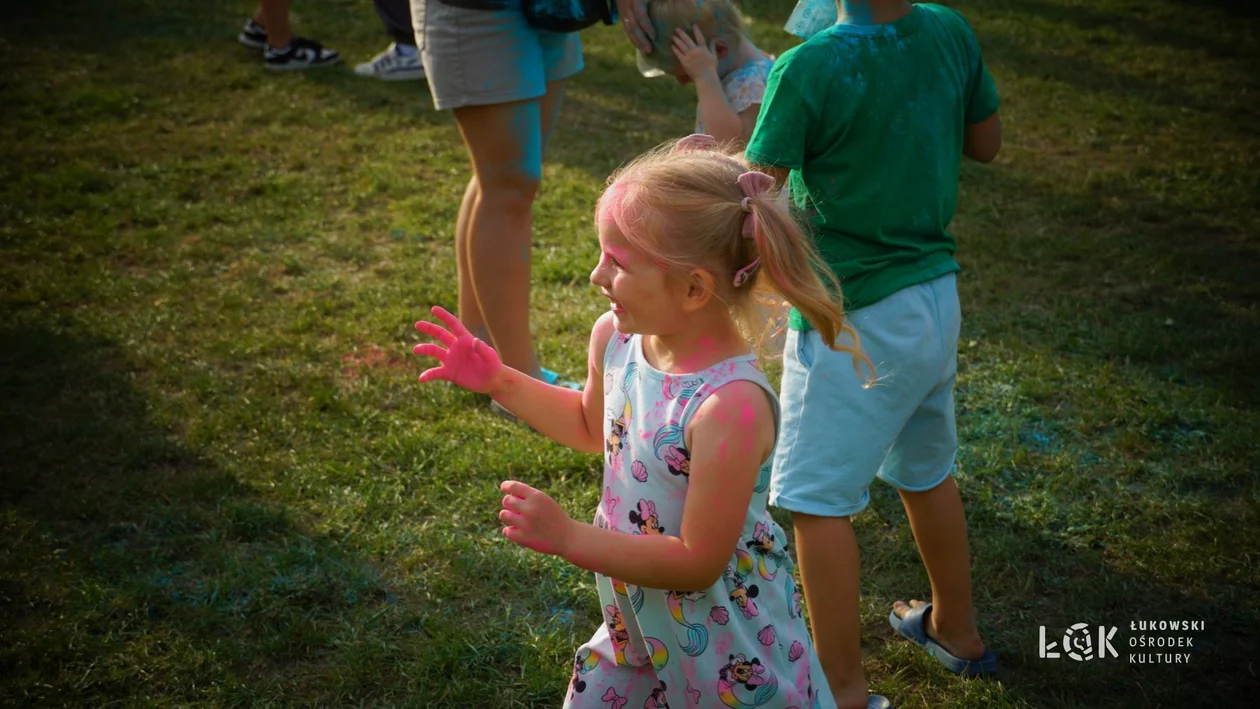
(836, 437)
(480, 57)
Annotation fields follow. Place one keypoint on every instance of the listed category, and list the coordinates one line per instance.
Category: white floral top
(743, 87)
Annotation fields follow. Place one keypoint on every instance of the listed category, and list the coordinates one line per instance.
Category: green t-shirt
(870, 121)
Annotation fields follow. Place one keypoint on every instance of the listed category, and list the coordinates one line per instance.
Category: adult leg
(270, 31)
(827, 550)
(505, 143)
(274, 15)
(396, 16)
(469, 309)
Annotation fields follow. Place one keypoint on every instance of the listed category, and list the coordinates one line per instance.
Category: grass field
(220, 482)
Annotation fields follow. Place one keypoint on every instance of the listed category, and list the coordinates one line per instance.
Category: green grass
(220, 482)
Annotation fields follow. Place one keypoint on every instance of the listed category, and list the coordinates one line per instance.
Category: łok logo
(1078, 643)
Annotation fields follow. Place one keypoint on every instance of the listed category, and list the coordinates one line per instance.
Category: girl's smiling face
(641, 292)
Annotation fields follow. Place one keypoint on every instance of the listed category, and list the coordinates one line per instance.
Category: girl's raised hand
(695, 55)
(534, 520)
(465, 361)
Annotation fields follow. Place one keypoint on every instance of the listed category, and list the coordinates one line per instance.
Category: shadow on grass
(115, 26)
(1237, 8)
(1139, 26)
(1049, 582)
(1124, 485)
(1124, 277)
(131, 566)
(1089, 75)
(1106, 445)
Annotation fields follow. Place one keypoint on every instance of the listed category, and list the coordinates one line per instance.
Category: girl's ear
(720, 49)
(700, 288)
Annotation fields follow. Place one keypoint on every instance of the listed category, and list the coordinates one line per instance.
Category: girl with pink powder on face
(699, 602)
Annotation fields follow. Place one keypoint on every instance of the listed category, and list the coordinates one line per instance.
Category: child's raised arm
(570, 418)
(699, 60)
(729, 437)
(567, 417)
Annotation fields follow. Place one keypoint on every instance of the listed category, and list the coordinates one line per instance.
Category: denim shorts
(476, 57)
(837, 437)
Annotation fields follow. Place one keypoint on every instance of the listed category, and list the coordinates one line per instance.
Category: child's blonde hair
(685, 205)
(717, 19)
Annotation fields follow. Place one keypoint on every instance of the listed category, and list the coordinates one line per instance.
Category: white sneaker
(390, 65)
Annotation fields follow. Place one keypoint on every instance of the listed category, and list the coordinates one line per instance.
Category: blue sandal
(913, 628)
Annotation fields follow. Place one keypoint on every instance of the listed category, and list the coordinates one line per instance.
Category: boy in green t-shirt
(868, 121)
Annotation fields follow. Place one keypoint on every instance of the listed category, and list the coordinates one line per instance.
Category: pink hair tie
(752, 184)
(743, 274)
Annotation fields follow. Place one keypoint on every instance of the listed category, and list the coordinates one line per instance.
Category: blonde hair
(717, 19)
(684, 207)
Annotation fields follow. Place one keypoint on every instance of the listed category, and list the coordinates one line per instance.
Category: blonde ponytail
(798, 274)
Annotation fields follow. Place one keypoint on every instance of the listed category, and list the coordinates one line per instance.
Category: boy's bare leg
(940, 530)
